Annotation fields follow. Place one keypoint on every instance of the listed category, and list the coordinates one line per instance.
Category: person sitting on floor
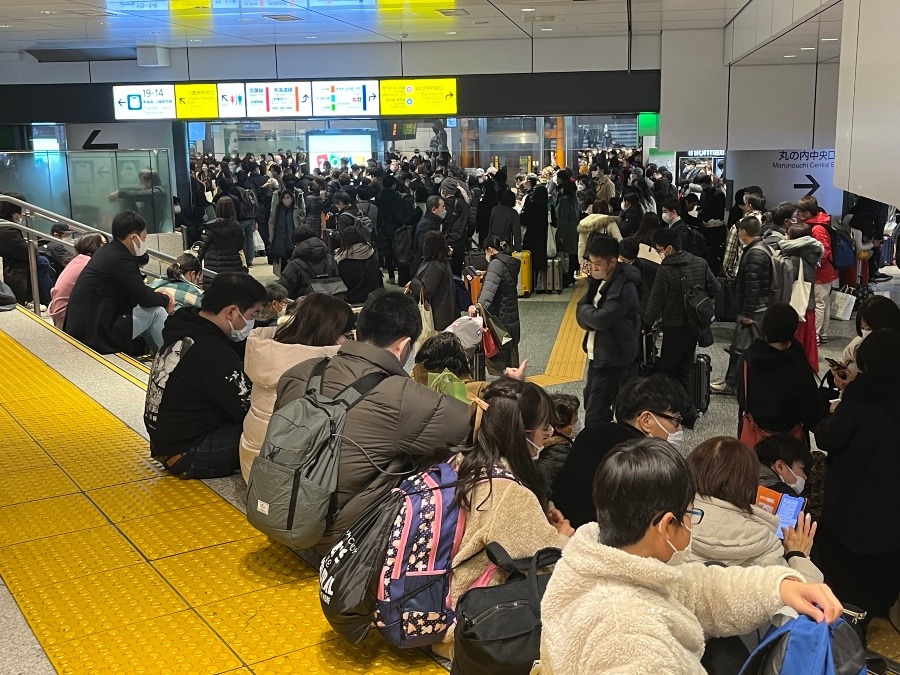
(783, 463)
(564, 419)
(198, 395)
(182, 281)
(85, 247)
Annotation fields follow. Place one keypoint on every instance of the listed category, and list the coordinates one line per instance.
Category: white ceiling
(69, 24)
(817, 40)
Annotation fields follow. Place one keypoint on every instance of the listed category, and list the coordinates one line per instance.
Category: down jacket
(809, 251)
(608, 611)
(667, 295)
(360, 272)
(754, 279)
(423, 423)
(500, 292)
(596, 223)
(311, 259)
(736, 538)
(617, 318)
(222, 241)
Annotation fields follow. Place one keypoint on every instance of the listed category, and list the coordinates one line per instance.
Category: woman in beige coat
(318, 326)
(598, 222)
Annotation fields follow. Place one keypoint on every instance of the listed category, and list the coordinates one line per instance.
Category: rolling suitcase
(477, 260)
(649, 355)
(554, 275)
(474, 284)
(700, 383)
(525, 273)
(726, 310)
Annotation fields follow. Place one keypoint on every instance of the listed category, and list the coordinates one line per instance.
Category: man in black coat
(712, 200)
(630, 217)
(110, 304)
(14, 252)
(388, 202)
(645, 407)
(431, 220)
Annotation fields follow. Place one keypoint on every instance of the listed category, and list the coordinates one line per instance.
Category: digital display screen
(332, 147)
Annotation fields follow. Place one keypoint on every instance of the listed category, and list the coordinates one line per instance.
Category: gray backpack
(292, 483)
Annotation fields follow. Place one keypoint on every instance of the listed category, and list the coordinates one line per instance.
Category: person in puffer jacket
(806, 252)
(564, 420)
(223, 240)
(500, 297)
(596, 223)
(311, 260)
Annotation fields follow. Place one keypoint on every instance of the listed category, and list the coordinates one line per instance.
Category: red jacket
(820, 223)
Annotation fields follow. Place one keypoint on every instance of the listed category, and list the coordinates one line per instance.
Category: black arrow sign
(90, 145)
(372, 97)
(182, 101)
(224, 98)
(305, 98)
(103, 172)
(812, 185)
(449, 95)
(121, 102)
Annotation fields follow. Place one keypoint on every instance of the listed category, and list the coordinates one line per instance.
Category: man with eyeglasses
(645, 407)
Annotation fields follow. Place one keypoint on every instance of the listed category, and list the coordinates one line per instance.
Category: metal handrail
(30, 210)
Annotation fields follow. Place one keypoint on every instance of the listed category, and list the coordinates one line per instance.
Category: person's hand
(255, 226)
(450, 251)
(800, 537)
(406, 288)
(517, 373)
(842, 378)
(555, 516)
(814, 600)
(480, 273)
(473, 310)
(834, 405)
(746, 320)
(560, 522)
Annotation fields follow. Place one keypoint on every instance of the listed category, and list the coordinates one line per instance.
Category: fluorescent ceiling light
(194, 40)
(790, 56)
(830, 39)
(546, 29)
(807, 49)
(282, 17)
(529, 9)
(451, 32)
(44, 11)
(312, 37)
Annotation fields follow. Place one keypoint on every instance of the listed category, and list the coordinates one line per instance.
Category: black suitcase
(700, 384)
(726, 307)
(477, 260)
(649, 356)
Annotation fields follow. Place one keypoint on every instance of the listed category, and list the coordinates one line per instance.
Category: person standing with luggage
(610, 312)
(500, 297)
(535, 217)
(808, 211)
(679, 270)
(568, 215)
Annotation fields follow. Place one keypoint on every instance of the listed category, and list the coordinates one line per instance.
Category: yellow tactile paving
(150, 497)
(65, 556)
(270, 622)
(91, 472)
(46, 517)
(96, 603)
(177, 643)
(567, 359)
(189, 529)
(31, 484)
(221, 572)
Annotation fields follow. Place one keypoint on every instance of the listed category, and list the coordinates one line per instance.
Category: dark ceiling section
(80, 55)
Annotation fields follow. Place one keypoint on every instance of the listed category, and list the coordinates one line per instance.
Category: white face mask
(866, 333)
(441, 214)
(177, 208)
(537, 449)
(140, 246)
(577, 428)
(667, 218)
(679, 556)
(799, 483)
(674, 439)
(243, 333)
(437, 180)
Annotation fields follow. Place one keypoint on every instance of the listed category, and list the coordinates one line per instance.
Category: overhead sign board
(196, 101)
(433, 96)
(144, 102)
(279, 99)
(232, 99)
(347, 98)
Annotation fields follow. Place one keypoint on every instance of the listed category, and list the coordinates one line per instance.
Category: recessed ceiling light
(312, 37)
(154, 32)
(194, 40)
(531, 9)
(830, 39)
(451, 32)
(282, 17)
(546, 29)
(790, 56)
(44, 11)
(807, 49)
(5, 26)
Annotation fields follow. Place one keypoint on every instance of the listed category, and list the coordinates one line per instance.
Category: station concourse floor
(108, 565)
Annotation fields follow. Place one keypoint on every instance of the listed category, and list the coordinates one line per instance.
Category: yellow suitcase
(525, 276)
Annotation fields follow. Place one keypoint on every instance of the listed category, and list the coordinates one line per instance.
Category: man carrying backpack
(808, 211)
(248, 213)
(397, 428)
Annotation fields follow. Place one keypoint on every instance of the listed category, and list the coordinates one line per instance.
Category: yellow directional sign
(433, 96)
(196, 101)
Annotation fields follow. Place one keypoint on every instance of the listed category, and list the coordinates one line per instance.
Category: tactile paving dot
(121, 442)
(98, 602)
(65, 556)
(372, 657)
(32, 484)
(110, 469)
(188, 529)
(47, 517)
(149, 497)
(220, 572)
(270, 622)
(12, 436)
(177, 643)
(26, 455)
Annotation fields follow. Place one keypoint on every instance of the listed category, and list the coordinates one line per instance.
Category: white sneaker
(717, 383)
(30, 305)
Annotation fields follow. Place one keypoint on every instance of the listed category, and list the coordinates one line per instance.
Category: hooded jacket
(222, 241)
(594, 224)
(667, 295)
(311, 259)
(616, 319)
(265, 361)
(608, 611)
(358, 268)
(196, 386)
(807, 251)
(739, 539)
(422, 424)
(820, 224)
(754, 279)
(500, 292)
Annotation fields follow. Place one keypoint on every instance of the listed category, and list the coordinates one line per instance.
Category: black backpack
(403, 245)
(700, 310)
(249, 204)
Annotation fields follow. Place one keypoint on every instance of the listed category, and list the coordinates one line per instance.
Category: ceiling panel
(817, 40)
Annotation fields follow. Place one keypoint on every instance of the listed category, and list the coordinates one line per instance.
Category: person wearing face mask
(610, 313)
(110, 304)
(182, 281)
(14, 253)
(619, 601)
(198, 395)
(431, 221)
(566, 426)
(397, 428)
(316, 328)
(783, 464)
(223, 240)
(277, 302)
(500, 297)
(874, 313)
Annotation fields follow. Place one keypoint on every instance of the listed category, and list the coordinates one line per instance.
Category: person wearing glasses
(620, 601)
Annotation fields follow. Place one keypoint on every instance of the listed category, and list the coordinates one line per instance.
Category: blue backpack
(803, 647)
(842, 252)
(413, 606)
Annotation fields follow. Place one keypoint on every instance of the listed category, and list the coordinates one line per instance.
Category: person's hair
(568, 188)
(878, 312)
(756, 202)
(232, 288)
(630, 197)
(636, 484)
(507, 198)
(303, 233)
(388, 317)
(275, 168)
(150, 176)
(877, 357)
(798, 230)
(514, 409)
(565, 406)
(186, 262)
(496, 243)
(365, 192)
(808, 204)
(389, 182)
(690, 198)
(88, 244)
(657, 393)
(705, 179)
(780, 323)
(750, 225)
(275, 292)
(7, 210)
(782, 212)
(671, 205)
(318, 320)
(432, 202)
(434, 246)
(290, 193)
(726, 469)
(649, 224)
(127, 223)
(664, 237)
(341, 197)
(225, 209)
(785, 447)
(352, 236)
(629, 248)
(600, 206)
(602, 246)
(441, 351)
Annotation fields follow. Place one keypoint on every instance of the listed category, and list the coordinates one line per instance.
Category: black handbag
(498, 628)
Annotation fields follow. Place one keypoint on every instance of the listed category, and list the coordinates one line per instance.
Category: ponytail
(185, 263)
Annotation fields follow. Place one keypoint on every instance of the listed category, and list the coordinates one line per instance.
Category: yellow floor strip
(134, 362)
(119, 568)
(567, 359)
